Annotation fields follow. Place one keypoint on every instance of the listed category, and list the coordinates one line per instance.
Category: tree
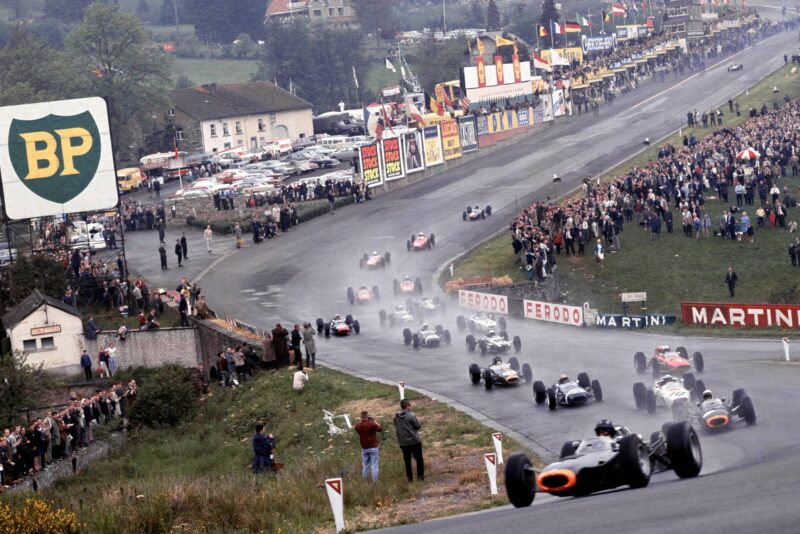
(71, 11)
(143, 11)
(441, 62)
(492, 16)
(549, 14)
(40, 272)
(377, 17)
(22, 385)
(220, 21)
(476, 13)
(164, 397)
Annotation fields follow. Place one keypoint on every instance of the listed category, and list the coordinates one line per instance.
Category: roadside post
(401, 387)
(490, 459)
(335, 491)
(785, 341)
(497, 438)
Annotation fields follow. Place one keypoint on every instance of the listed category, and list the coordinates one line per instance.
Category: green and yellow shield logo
(56, 157)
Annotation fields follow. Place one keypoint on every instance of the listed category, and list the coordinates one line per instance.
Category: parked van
(332, 141)
(129, 179)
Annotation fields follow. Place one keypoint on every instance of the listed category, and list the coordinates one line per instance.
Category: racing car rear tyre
(747, 411)
(634, 461)
(475, 373)
(520, 481)
(501, 322)
(583, 380)
(527, 372)
(327, 330)
(697, 360)
(415, 341)
(539, 392)
(650, 401)
(639, 362)
(463, 215)
(567, 449)
(348, 319)
(382, 317)
(320, 325)
(461, 323)
(736, 398)
(407, 336)
(639, 395)
(488, 211)
(487, 379)
(551, 398)
(470, 343)
(446, 337)
(356, 327)
(689, 381)
(517, 344)
(683, 450)
(683, 352)
(513, 362)
(504, 335)
(597, 391)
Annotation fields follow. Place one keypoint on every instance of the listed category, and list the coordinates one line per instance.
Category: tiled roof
(235, 100)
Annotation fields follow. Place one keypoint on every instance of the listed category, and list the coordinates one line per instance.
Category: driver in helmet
(491, 333)
(605, 428)
(374, 252)
(424, 326)
(662, 349)
(563, 378)
(707, 396)
(337, 317)
(665, 379)
(497, 360)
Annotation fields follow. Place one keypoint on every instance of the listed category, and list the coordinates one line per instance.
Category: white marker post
(490, 459)
(786, 348)
(497, 437)
(335, 491)
(401, 387)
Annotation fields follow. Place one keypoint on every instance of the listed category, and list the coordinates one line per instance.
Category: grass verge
(196, 476)
(202, 71)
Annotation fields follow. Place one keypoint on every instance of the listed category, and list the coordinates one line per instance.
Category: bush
(36, 516)
(165, 397)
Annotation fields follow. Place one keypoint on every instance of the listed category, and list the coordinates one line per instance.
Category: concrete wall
(67, 343)
(215, 339)
(274, 125)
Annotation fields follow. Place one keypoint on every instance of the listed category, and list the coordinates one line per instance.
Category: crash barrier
(741, 315)
(485, 302)
(553, 312)
(506, 300)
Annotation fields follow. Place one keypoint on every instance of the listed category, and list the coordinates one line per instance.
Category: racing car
(612, 459)
(669, 391)
(568, 393)
(493, 343)
(716, 414)
(665, 361)
(363, 295)
(407, 285)
(400, 314)
(480, 322)
(733, 67)
(474, 213)
(427, 304)
(499, 373)
(426, 337)
(338, 326)
(420, 242)
(374, 260)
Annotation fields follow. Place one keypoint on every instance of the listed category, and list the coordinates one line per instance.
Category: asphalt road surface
(750, 478)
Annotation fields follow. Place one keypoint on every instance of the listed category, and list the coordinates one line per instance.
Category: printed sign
(503, 121)
(486, 302)
(641, 296)
(569, 54)
(497, 439)
(49, 329)
(741, 315)
(523, 117)
(617, 320)
(56, 158)
(559, 105)
(491, 469)
(335, 490)
(392, 159)
(547, 107)
(468, 134)
(597, 44)
(433, 146)
(370, 165)
(552, 312)
(498, 65)
(480, 70)
(450, 139)
(412, 151)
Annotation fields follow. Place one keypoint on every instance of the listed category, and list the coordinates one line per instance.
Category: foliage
(71, 11)
(476, 13)
(492, 16)
(784, 294)
(22, 386)
(220, 21)
(549, 13)
(40, 272)
(167, 13)
(522, 21)
(37, 516)
(441, 61)
(165, 397)
(377, 16)
(184, 82)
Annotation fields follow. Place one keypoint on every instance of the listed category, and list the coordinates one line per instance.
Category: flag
(542, 31)
(541, 63)
(432, 105)
(583, 21)
(413, 113)
(469, 46)
(355, 78)
(649, 22)
(464, 103)
(373, 125)
(555, 28)
(386, 120)
(606, 16)
(479, 44)
(499, 41)
(402, 71)
(390, 66)
(571, 27)
(618, 9)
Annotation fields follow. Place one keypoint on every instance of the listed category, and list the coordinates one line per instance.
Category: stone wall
(151, 348)
(215, 339)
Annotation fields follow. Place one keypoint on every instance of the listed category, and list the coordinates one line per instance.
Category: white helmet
(707, 395)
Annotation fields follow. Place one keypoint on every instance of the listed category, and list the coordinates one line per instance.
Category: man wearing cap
(407, 427)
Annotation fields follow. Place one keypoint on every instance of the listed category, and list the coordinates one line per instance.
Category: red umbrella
(748, 154)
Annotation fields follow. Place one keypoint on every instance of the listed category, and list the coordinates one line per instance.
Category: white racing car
(499, 373)
(426, 337)
(493, 343)
(400, 315)
(374, 260)
(668, 391)
(480, 322)
(474, 213)
(733, 67)
(427, 305)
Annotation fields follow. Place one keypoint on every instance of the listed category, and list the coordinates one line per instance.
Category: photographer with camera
(368, 430)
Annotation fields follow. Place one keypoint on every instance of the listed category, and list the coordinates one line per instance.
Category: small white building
(47, 330)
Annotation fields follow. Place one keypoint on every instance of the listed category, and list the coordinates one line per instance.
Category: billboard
(433, 146)
(412, 151)
(559, 105)
(56, 158)
(618, 320)
(392, 159)
(450, 140)
(547, 107)
(487, 302)
(741, 315)
(552, 312)
(524, 117)
(370, 165)
(500, 125)
(468, 134)
(569, 54)
(597, 44)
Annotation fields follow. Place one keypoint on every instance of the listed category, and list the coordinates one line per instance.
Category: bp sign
(56, 158)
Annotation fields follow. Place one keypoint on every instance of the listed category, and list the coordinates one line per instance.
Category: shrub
(165, 397)
(36, 516)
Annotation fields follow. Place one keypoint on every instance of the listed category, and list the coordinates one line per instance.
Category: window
(213, 130)
(341, 12)
(240, 143)
(179, 134)
(28, 345)
(330, 11)
(317, 12)
(225, 130)
(238, 127)
(260, 125)
(262, 141)
(48, 343)
(171, 112)
(226, 146)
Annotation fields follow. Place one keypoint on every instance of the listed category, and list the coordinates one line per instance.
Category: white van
(333, 141)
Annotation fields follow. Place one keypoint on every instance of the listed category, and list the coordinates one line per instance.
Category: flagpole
(602, 22)
(552, 31)
(591, 28)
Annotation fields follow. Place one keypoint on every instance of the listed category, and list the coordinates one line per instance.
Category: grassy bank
(202, 71)
(673, 268)
(196, 477)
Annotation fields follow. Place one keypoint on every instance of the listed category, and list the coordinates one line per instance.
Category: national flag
(499, 41)
(555, 28)
(542, 31)
(390, 66)
(571, 27)
(541, 63)
(606, 16)
(583, 21)
(618, 10)
(373, 125)
(469, 46)
(649, 22)
(414, 114)
(464, 103)
(355, 78)
(432, 105)
(386, 120)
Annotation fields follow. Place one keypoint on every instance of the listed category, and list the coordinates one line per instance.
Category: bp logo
(56, 157)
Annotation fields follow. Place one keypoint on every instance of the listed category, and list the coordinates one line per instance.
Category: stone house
(335, 13)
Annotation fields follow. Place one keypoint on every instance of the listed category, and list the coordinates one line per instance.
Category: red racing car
(420, 242)
(407, 286)
(363, 295)
(666, 361)
(374, 260)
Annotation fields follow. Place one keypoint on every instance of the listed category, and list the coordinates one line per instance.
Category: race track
(750, 477)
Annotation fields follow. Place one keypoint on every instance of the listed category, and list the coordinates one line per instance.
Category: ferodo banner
(486, 302)
(56, 158)
(741, 315)
(370, 165)
(468, 133)
(392, 159)
(412, 151)
(433, 146)
(553, 313)
(450, 140)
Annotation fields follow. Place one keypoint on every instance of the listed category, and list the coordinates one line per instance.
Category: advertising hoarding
(450, 140)
(486, 302)
(741, 315)
(433, 145)
(412, 151)
(552, 312)
(370, 165)
(468, 133)
(392, 159)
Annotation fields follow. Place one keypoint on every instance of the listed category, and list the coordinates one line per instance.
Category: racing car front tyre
(539, 392)
(527, 372)
(487, 379)
(447, 338)
(475, 373)
(583, 380)
(501, 322)
(513, 362)
(520, 481)
(470, 343)
(348, 319)
(387, 258)
(327, 330)
(568, 449)
(689, 381)
(432, 240)
(697, 360)
(683, 352)
(320, 325)
(488, 211)
(639, 362)
(407, 336)
(639, 395)
(736, 398)
(551, 398)
(415, 341)
(461, 323)
(747, 411)
(683, 450)
(517, 344)
(356, 327)
(597, 391)
(382, 317)
(463, 215)
(650, 401)
(634, 461)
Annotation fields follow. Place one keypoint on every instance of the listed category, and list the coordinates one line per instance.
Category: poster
(392, 159)
(370, 165)
(480, 65)
(547, 107)
(433, 146)
(524, 117)
(559, 106)
(467, 134)
(450, 140)
(412, 151)
(498, 64)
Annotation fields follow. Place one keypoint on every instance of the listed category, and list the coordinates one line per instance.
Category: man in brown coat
(280, 344)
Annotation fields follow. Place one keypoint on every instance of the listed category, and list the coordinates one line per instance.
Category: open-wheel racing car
(425, 337)
(399, 315)
(733, 67)
(480, 322)
(427, 305)
(407, 286)
(616, 457)
(566, 392)
(338, 326)
(499, 373)
(474, 213)
(420, 242)
(668, 391)
(716, 414)
(374, 260)
(493, 343)
(363, 295)
(666, 361)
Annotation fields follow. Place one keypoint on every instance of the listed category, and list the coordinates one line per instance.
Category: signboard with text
(370, 165)
(433, 145)
(741, 315)
(618, 320)
(412, 151)
(486, 302)
(552, 312)
(468, 133)
(450, 140)
(392, 159)
(640, 296)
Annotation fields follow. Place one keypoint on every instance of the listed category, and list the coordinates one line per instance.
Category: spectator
(112, 358)
(162, 253)
(367, 430)
(730, 280)
(311, 346)
(207, 234)
(407, 427)
(179, 252)
(279, 344)
(86, 365)
(262, 450)
(91, 329)
(230, 364)
(299, 379)
(184, 246)
(598, 252)
(202, 308)
(237, 231)
(296, 338)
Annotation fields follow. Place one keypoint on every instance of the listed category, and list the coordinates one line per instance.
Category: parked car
(7, 253)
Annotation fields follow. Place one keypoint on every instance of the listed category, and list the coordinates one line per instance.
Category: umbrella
(748, 154)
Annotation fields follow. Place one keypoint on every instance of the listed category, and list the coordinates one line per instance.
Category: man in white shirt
(207, 233)
(299, 379)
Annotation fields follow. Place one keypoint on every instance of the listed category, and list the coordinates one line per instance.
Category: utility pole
(177, 24)
(444, 16)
